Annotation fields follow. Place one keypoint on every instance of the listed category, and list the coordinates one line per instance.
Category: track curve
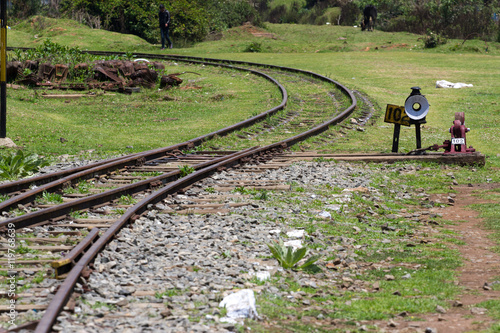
(172, 181)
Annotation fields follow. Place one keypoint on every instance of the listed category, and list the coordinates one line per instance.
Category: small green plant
(39, 277)
(226, 254)
(83, 187)
(22, 249)
(186, 170)
(120, 211)
(253, 47)
(79, 215)
(210, 190)
(18, 165)
(240, 189)
(27, 71)
(48, 198)
(4, 197)
(261, 195)
(168, 293)
(288, 258)
(127, 200)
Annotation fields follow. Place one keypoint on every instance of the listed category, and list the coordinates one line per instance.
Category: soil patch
(481, 268)
(257, 32)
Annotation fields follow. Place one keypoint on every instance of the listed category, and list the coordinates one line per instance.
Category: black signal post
(3, 69)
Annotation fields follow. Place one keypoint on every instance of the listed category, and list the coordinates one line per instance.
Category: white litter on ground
(295, 244)
(296, 233)
(240, 304)
(447, 84)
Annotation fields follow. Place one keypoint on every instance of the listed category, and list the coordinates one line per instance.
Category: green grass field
(383, 65)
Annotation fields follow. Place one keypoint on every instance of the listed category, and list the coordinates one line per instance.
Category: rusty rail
(53, 182)
(204, 170)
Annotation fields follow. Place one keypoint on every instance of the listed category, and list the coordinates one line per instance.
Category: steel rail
(60, 211)
(134, 212)
(52, 183)
(64, 291)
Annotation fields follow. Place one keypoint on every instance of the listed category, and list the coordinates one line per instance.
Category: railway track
(68, 217)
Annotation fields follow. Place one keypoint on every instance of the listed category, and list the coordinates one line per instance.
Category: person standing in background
(164, 17)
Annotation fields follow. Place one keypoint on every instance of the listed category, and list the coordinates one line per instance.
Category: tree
(22, 9)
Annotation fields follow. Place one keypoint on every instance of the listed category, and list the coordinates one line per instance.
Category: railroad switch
(458, 143)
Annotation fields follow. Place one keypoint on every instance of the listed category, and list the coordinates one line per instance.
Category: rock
(440, 309)
(389, 277)
(478, 311)
(296, 234)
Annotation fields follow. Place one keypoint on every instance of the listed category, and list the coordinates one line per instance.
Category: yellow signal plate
(396, 114)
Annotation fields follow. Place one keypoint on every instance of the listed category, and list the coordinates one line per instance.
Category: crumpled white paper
(447, 84)
(240, 304)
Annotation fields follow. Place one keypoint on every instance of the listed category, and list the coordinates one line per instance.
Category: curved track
(157, 187)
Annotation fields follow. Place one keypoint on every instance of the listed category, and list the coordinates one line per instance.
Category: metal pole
(3, 69)
(418, 136)
(395, 138)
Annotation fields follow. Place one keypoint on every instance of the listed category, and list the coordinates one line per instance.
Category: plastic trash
(240, 304)
(447, 84)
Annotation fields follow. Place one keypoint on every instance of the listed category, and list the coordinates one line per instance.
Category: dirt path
(481, 265)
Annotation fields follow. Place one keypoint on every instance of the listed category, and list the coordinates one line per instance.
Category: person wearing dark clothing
(164, 17)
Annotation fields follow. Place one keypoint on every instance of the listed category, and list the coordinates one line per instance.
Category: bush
(228, 14)
(433, 40)
(253, 47)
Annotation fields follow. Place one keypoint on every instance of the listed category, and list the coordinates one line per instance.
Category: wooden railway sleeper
(64, 265)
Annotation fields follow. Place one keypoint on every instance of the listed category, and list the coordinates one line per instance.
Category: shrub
(253, 47)
(433, 40)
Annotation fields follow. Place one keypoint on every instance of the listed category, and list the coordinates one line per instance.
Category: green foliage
(52, 52)
(227, 14)
(79, 215)
(83, 187)
(451, 18)
(168, 293)
(433, 40)
(49, 198)
(22, 249)
(17, 165)
(186, 170)
(55, 53)
(24, 8)
(253, 47)
(261, 195)
(127, 200)
(288, 258)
